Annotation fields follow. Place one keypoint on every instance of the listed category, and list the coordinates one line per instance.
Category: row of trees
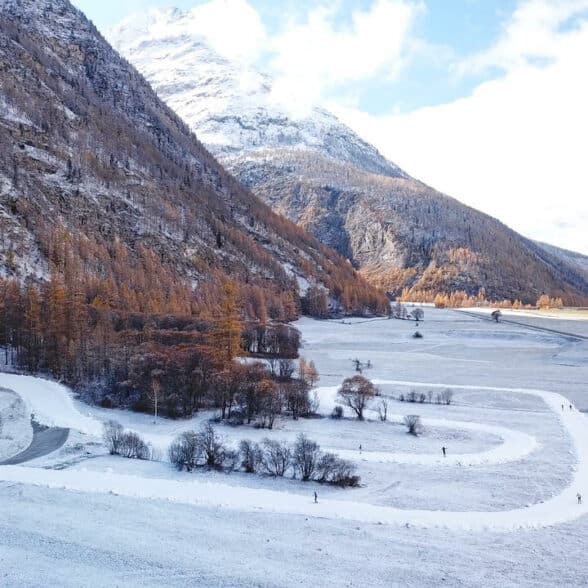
(303, 459)
(461, 299)
(173, 364)
(357, 393)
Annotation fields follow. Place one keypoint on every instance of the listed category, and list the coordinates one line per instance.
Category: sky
(483, 100)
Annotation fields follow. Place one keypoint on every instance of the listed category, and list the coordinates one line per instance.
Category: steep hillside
(571, 258)
(100, 177)
(320, 174)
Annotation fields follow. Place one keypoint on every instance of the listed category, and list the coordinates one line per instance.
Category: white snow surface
(16, 431)
(505, 493)
(50, 403)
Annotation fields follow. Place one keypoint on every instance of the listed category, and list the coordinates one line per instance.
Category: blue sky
(484, 100)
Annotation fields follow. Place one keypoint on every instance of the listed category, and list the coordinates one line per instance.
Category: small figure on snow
(562, 406)
(571, 408)
(360, 448)
(579, 497)
(315, 498)
(444, 449)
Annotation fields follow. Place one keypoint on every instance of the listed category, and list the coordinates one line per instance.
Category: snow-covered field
(499, 510)
(16, 431)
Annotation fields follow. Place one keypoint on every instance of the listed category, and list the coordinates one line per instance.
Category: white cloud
(233, 28)
(515, 148)
(531, 33)
(316, 56)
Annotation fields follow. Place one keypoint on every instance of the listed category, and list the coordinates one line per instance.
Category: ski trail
(559, 509)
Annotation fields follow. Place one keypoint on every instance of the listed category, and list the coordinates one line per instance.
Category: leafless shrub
(447, 396)
(112, 435)
(331, 469)
(337, 412)
(184, 452)
(133, 447)
(251, 456)
(383, 410)
(413, 424)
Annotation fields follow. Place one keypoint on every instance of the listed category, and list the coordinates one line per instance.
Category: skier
(315, 498)
(570, 407)
(444, 451)
(360, 448)
(579, 497)
(562, 406)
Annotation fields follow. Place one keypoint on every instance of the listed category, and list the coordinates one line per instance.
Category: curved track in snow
(559, 509)
(45, 441)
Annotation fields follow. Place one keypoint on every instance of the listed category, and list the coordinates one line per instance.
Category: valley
(515, 461)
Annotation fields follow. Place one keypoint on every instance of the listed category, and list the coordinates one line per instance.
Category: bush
(447, 396)
(231, 461)
(112, 435)
(133, 447)
(337, 412)
(413, 424)
(417, 335)
(305, 457)
(331, 469)
(184, 452)
(276, 457)
(211, 447)
(251, 456)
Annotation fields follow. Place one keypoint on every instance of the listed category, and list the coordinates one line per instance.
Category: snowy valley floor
(499, 510)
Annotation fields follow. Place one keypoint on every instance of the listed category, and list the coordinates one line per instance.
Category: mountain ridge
(95, 167)
(320, 174)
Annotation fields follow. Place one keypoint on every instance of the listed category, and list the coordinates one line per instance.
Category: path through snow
(559, 509)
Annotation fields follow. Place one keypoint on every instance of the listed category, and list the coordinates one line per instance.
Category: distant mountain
(97, 173)
(568, 258)
(320, 174)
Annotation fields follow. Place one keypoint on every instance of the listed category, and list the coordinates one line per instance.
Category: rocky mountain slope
(320, 174)
(97, 173)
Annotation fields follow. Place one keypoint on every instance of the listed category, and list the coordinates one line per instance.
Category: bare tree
(418, 314)
(112, 435)
(286, 369)
(305, 457)
(413, 424)
(210, 446)
(155, 391)
(251, 456)
(276, 457)
(184, 452)
(447, 396)
(271, 402)
(383, 409)
(357, 392)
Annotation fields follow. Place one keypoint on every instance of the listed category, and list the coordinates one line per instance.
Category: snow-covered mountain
(320, 174)
(232, 106)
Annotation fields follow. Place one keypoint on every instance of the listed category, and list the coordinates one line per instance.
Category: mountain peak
(320, 174)
(231, 105)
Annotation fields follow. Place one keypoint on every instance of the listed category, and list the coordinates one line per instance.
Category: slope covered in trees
(317, 172)
(128, 256)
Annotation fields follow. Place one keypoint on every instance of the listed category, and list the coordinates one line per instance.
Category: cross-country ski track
(54, 406)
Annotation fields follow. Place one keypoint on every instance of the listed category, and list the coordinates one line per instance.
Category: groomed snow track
(559, 509)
